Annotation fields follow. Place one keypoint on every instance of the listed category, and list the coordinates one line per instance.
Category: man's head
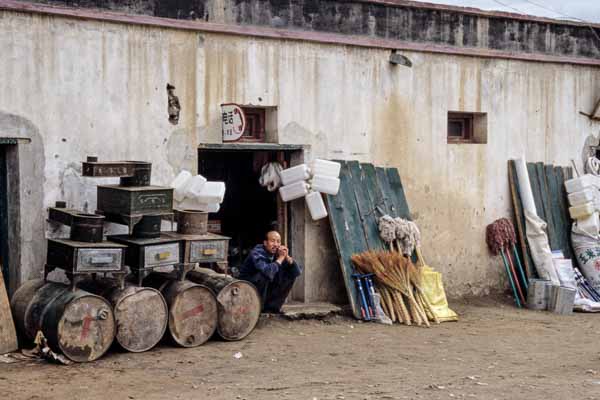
(272, 241)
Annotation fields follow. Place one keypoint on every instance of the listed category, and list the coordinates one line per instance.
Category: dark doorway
(4, 215)
(248, 210)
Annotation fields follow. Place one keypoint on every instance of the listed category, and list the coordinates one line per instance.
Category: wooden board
(366, 193)
(8, 335)
(520, 221)
(563, 206)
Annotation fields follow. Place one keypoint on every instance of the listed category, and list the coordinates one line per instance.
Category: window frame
(467, 127)
(256, 123)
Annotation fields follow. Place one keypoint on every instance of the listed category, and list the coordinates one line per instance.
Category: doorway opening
(249, 210)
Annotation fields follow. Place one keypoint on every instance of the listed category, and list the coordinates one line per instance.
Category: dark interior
(3, 216)
(248, 210)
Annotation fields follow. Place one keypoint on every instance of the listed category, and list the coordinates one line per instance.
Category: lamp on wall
(398, 59)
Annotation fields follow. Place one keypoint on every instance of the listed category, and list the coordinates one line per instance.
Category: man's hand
(287, 256)
(282, 254)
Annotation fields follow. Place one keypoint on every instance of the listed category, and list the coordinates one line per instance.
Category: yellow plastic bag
(433, 288)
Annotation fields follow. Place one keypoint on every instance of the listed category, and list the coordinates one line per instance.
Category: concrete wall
(93, 88)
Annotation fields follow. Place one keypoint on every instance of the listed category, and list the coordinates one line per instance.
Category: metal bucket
(87, 228)
(537, 294)
(190, 222)
(148, 227)
(141, 174)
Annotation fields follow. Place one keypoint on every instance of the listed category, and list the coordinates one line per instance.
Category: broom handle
(515, 277)
(520, 267)
(512, 284)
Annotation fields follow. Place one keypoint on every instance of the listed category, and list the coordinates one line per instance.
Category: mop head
(405, 232)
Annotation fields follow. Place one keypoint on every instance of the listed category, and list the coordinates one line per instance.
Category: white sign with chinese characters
(234, 122)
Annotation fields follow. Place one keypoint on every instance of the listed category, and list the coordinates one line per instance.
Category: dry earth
(494, 352)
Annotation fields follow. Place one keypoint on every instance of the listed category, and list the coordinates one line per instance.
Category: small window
(467, 127)
(255, 125)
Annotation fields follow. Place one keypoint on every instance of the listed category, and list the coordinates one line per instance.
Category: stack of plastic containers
(584, 199)
(195, 193)
(309, 182)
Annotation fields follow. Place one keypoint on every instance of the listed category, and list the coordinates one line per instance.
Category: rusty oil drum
(239, 302)
(192, 310)
(76, 323)
(141, 314)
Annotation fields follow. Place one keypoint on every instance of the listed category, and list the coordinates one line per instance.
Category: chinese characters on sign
(234, 122)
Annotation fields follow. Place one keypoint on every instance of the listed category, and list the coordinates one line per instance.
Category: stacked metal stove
(99, 305)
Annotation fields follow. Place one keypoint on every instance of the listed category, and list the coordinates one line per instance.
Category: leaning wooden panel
(368, 214)
(8, 335)
(520, 220)
(347, 230)
(561, 230)
(238, 302)
(398, 189)
(563, 204)
(389, 205)
(546, 203)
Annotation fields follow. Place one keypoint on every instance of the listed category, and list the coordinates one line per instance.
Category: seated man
(272, 270)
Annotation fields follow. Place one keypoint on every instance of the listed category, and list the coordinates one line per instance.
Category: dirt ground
(494, 352)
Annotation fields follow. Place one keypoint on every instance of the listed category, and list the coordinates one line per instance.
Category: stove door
(99, 260)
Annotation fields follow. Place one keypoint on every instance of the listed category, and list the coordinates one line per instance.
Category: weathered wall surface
(99, 88)
(401, 20)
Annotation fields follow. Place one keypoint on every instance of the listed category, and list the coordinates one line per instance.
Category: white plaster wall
(96, 88)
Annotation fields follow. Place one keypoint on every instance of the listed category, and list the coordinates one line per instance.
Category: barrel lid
(141, 315)
(239, 310)
(193, 315)
(86, 328)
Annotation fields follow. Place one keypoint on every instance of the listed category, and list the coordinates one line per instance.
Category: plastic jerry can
(582, 211)
(294, 174)
(212, 192)
(590, 224)
(195, 186)
(293, 191)
(180, 184)
(325, 167)
(582, 182)
(325, 184)
(583, 196)
(316, 206)
(194, 204)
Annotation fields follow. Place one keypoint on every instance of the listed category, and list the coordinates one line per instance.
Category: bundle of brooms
(398, 281)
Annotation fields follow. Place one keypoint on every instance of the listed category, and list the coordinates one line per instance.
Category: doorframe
(296, 209)
(4, 256)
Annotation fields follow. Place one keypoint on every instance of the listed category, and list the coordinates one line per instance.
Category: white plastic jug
(293, 191)
(583, 196)
(194, 204)
(582, 211)
(294, 174)
(195, 186)
(325, 184)
(582, 182)
(589, 224)
(316, 206)
(212, 192)
(325, 167)
(180, 184)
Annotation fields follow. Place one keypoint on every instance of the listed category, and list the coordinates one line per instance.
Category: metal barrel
(20, 305)
(79, 324)
(142, 172)
(141, 313)
(76, 323)
(87, 228)
(192, 310)
(190, 222)
(148, 227)
(537, 294)
(238, 301)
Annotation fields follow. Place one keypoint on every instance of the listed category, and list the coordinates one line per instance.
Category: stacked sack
(584, 198)
(309, 182)
(196, 193)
